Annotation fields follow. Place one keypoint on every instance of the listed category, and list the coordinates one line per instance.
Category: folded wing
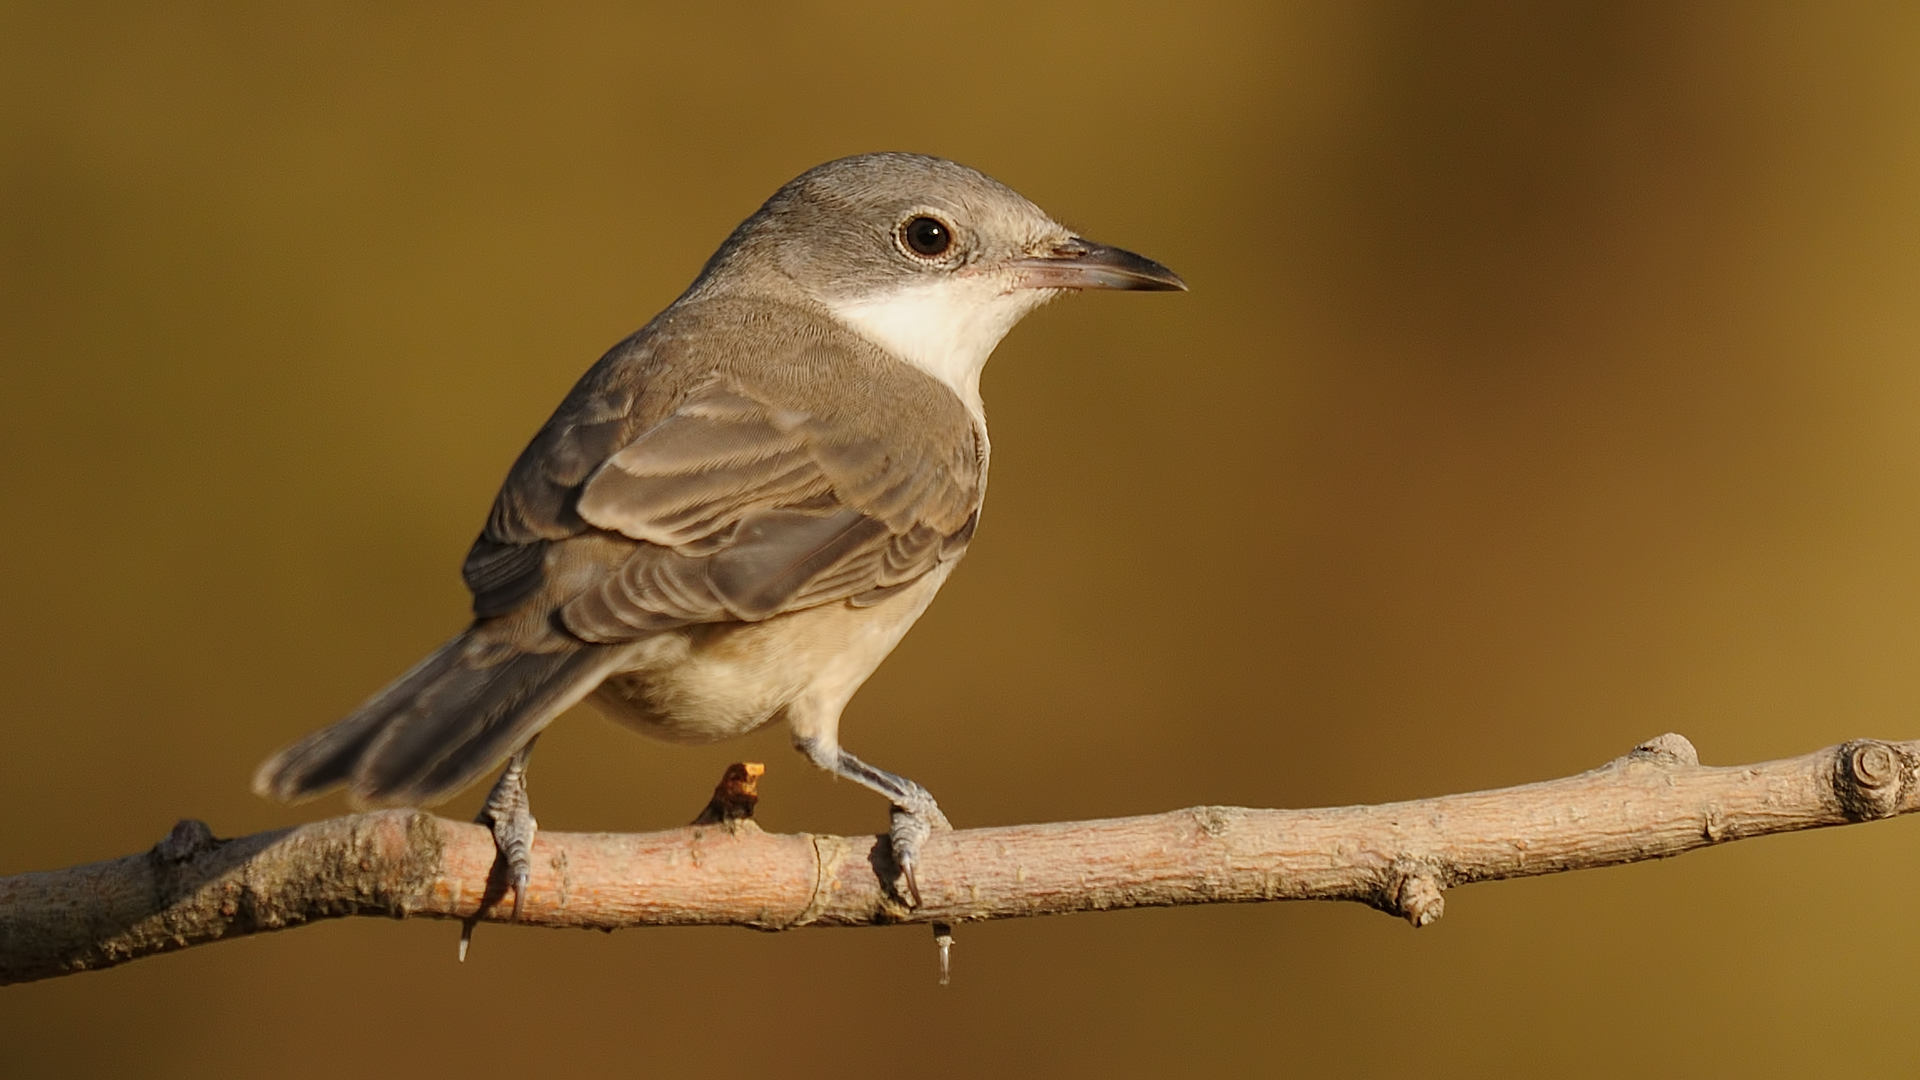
(744, 509)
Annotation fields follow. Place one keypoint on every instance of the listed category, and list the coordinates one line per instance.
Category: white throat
(945, 328)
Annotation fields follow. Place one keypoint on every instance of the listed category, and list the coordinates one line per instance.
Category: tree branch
(1655, 802)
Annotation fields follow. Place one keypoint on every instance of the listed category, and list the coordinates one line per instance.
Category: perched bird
(739, 510)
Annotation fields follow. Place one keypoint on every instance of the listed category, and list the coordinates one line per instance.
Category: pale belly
(705, 683)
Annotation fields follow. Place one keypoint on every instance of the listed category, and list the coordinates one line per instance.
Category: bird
(740, 509)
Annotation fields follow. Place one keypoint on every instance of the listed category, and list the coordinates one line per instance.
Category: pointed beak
(1083, 264)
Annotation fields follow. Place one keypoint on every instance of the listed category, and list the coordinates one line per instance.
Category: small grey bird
(737, 513)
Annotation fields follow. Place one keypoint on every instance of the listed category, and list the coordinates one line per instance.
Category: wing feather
(682, 484)
(745, 512)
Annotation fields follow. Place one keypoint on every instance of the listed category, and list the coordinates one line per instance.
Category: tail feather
(327, 758)
(469, 722)
(436, 729)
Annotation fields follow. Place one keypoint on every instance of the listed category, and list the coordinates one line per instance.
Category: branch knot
(1414, 892)
(1671, 750)
(190, 837)
(1871, 779)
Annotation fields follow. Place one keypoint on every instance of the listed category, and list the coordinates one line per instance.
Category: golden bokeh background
(1550, 380)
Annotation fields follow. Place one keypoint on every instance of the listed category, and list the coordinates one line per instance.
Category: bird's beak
(1083, 264)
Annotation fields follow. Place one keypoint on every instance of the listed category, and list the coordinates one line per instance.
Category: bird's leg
(508, 814)
(511, 818)
(915, 814)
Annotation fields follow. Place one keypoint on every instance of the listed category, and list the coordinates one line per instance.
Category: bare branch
(1655, 802)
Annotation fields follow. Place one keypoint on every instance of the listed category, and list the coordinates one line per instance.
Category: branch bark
(1655, 802)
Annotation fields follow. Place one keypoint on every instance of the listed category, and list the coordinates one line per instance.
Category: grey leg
(915, 814)
(508, 814)
(507, 811)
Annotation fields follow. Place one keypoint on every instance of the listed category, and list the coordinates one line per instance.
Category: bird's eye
(927, 236)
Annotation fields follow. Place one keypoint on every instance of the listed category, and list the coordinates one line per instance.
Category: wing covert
(745, 509)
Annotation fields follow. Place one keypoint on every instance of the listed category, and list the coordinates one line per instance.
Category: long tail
(458, 714)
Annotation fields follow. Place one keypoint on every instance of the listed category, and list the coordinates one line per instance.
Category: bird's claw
(513, 828)
(911, 826)
(507, 814)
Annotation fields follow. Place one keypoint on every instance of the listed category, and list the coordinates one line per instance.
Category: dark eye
(927, 236)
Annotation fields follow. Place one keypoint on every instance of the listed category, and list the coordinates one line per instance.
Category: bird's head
(928, 259)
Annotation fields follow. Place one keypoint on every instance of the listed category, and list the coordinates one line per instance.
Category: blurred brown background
(1548, 382)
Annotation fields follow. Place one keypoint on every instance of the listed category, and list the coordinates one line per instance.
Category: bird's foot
(510, 817)
(915, 814)
(915, 817)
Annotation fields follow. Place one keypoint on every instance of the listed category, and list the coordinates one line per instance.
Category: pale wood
(1655, 802)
